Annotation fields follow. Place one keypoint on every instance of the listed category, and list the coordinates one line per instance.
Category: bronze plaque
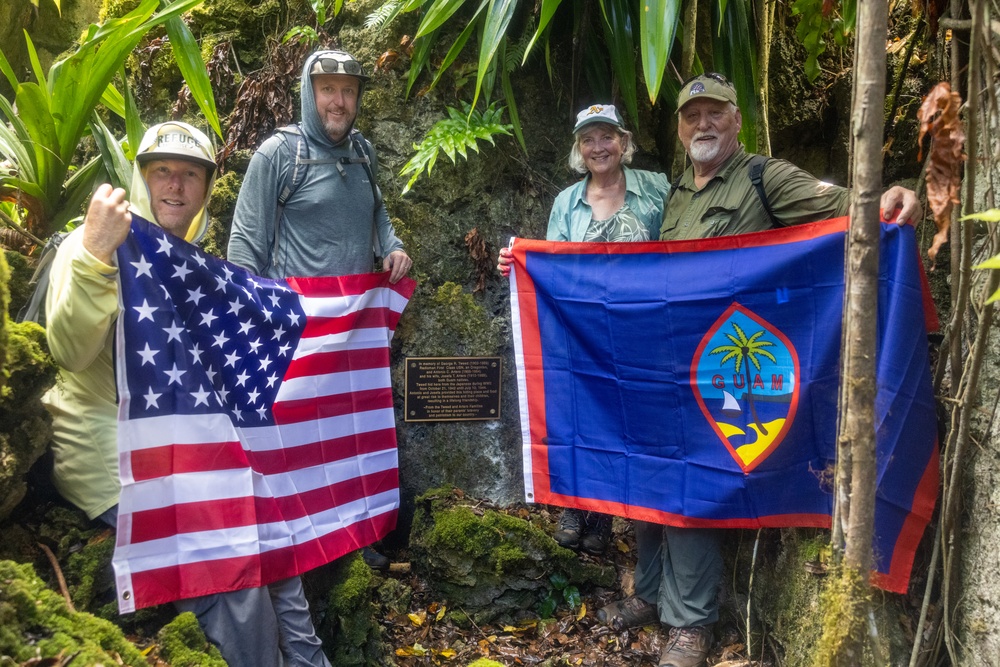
(452, 388)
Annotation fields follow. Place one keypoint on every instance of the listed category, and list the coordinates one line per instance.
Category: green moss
(485, 662)
(494, 537)
(35, 622)
(116, 8)
(355, 590)
(90, 569)
(183, 644)
(844, 593)
(816, 550)
(351, 633)
(220, 208)
(29, 370)
(17, 283)
(448, 321)
(394, 596)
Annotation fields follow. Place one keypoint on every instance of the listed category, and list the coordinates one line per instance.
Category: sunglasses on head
(330, 65)
(711, 75)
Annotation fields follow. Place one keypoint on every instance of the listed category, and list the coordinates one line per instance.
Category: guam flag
(695, 383)
(256, 432)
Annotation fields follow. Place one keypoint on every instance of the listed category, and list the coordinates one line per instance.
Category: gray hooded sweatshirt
(326, 226)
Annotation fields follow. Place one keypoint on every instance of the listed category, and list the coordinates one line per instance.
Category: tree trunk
(765, 29)
(689, 19)
(857, 429)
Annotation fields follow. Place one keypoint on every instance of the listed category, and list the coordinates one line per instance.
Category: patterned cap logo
(745, 376)
(597, 108)
(696, 88)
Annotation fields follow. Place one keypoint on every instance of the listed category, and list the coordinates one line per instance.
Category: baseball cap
(598, 113)
(178, 141)
(709, 85)
(337, 62)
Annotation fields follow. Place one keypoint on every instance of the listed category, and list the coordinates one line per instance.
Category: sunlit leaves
(498, 17)
(187, 55)
(454, 136)
(993, 216)
(57, 3)
(818, 21)
(55, 109)
(439, 12)
(657, 29)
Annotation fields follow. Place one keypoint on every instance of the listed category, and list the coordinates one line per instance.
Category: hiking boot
(597, 534)
(571, 524)
(631, 612)
(374, 559)
(686, 647)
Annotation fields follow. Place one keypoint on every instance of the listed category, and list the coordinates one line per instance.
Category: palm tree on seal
(745, 352)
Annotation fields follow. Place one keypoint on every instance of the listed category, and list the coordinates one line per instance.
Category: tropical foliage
(453, 136)
(614, 39)
(820, 19)
(51, 114)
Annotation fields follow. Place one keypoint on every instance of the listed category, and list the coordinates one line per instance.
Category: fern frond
(454, 135)
(516, 50)
(380, 16)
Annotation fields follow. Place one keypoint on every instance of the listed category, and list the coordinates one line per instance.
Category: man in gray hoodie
(333, 219)
(308, 205)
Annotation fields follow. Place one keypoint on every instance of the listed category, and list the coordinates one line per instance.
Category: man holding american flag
(172, 183)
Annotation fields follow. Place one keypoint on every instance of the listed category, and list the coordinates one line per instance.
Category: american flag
(256, 432)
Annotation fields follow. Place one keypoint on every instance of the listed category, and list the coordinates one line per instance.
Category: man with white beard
(679, 570)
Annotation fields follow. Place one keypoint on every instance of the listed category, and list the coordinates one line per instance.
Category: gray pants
(680, 569)
(268, 626)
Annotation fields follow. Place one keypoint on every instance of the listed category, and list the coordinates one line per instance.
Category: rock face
(25, 427)
(487, 562)
(28, 609)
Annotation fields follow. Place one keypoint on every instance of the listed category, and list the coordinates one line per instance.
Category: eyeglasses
(710, 75)
(331, 65)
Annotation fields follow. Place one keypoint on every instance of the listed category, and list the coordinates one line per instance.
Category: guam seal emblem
(745, 376)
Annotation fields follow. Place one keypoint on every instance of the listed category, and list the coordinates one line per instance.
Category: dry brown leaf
(386, 60)
(481, 257)
(939, 117)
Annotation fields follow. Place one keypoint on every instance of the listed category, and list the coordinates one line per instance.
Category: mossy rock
(350, 630)
(36, 622)
(183, 644)
(488, 563)
(794, 584)
(28, 371)
(20, 275)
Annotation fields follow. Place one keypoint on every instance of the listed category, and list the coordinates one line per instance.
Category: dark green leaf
(549, 8)
(439, 12)
(657, 28)
(187, 54)
(498, 17)
(618, 35)
(115, 162)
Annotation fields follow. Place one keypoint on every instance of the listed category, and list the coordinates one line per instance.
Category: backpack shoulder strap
(363, 149)
(755, 170)
(299, 155)
(294, 145)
